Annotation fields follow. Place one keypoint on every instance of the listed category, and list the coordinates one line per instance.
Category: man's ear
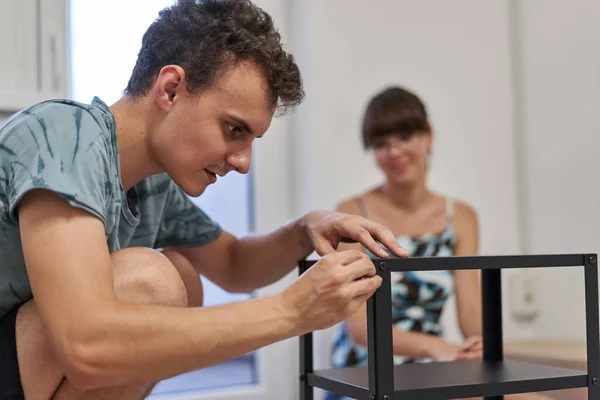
(169, 86)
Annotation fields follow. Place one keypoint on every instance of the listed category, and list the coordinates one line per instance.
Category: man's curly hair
(206, 38)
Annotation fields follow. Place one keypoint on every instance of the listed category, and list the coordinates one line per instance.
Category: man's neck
(132, 134)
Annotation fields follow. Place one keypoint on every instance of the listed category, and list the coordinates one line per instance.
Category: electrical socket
(524, 293)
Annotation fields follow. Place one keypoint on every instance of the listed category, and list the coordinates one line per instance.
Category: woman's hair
(395, 110)
(206, 38)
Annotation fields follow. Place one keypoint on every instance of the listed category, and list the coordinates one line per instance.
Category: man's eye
(234, 130)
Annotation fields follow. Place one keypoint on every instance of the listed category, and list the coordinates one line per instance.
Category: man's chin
(193, 190)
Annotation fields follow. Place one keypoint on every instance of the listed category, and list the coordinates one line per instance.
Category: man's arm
(242, 265)
(245, 264)
(102, 342)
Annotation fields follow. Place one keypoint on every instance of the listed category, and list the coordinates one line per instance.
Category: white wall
(457, 59)
(560, 74)
(457, 56)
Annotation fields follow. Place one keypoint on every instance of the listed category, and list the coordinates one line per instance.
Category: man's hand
(327, 229)
(331, 290)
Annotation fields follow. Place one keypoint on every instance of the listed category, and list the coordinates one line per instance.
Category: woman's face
(403, 157)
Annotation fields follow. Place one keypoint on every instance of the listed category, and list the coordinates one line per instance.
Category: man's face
(199, 136)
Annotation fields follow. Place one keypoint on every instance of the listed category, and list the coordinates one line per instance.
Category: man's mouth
(211, 176)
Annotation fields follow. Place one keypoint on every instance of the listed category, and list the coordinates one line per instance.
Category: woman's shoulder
(464, 216)
(352, 205)
(464, 211)
(349, 206)
(466, 228)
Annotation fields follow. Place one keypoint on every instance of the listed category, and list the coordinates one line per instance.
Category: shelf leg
(491, 296)
(379, 327)
(592, 326)
(307, 392)
(306, 366)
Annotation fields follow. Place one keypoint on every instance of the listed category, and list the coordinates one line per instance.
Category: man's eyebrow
(241, 122)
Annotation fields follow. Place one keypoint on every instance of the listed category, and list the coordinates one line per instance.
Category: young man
(87, 307)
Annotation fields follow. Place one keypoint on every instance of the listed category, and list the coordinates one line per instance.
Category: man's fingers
(363, 236)
(361, 268)
(345, 257)
(387, 238)
(369, 234)
(365, 287)
(360, 300)
(322, 246)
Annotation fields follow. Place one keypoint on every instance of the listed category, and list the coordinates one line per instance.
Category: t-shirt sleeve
(58, 148)
(185, 224)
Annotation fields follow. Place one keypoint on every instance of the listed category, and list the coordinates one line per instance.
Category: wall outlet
(524, 293)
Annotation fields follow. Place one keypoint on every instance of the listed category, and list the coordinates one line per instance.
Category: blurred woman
(397, 129)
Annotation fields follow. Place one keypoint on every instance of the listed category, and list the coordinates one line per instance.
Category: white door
(32, 42)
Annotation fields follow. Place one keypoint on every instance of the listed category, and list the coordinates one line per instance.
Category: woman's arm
(467, 282)
(406, 343)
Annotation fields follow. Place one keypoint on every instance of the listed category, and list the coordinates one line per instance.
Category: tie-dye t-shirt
(71, 149)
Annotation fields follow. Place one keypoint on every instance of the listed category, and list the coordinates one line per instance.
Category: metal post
(591, 323)
(491, 296)
(306, 356)
(379, 326)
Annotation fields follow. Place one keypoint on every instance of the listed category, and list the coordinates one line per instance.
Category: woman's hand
(442, 350)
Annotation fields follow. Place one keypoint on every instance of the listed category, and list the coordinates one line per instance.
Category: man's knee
(146, 276)
(189, 275)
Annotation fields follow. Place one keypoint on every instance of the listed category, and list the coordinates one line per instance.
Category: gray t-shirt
(71, 149)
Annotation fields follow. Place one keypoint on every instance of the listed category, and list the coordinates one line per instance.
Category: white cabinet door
(32, 52)
(53, 47)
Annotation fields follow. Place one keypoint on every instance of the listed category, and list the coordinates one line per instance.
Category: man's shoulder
(57, 105)
(57, 115)
(62, 128)
(47, 109)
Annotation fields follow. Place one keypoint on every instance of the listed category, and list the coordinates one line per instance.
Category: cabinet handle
(53, 65)
(38, 25)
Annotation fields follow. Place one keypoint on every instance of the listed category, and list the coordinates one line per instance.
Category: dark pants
(10, 379)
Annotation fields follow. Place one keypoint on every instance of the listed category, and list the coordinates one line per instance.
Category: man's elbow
(84, 353)
(236, 282)
(82, 365)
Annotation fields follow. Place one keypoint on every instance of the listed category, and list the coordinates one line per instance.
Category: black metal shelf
(453, 380)
(477, 262)
(491, 377)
